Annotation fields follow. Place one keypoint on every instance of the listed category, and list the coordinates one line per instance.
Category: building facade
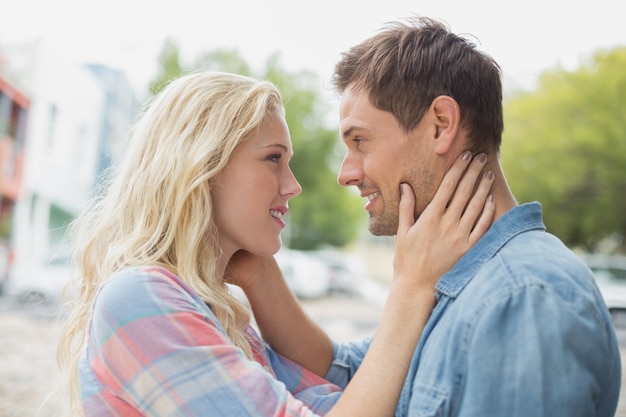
(14, 107)
(77, 115)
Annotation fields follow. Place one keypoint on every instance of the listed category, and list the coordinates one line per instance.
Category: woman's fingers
(461, 204)
(466, 186)
(484, 221)
(480, 209)
(449, 183)
(457, 217)
(406, 216)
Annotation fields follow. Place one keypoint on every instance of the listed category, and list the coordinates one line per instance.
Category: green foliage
(169, 66)
(227, 60)
(565, 146)
(325, 213)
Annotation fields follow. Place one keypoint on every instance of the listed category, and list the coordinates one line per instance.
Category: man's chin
(378, 228)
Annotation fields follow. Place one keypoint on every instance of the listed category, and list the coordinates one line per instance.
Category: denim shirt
(519, 329)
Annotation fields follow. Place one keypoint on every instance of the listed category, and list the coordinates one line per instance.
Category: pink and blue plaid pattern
(156, 349)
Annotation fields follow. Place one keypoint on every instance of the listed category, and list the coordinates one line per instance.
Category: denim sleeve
(347, 358)
(315, 392)
(541, 354)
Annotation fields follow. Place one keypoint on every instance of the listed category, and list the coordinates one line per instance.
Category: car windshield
(606, 267)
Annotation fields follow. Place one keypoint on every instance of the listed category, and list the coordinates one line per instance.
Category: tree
(325, 213)
(565, 146)
(169, 66)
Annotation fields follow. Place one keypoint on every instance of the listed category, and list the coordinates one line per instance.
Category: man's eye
(358, 141)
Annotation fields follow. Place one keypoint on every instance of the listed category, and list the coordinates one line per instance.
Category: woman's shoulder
(140, 278)
(145, 288)
(142, 275)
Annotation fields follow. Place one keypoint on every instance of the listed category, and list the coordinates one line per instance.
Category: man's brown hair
(409, 63)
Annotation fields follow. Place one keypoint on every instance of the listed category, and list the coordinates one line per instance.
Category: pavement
(29, 335)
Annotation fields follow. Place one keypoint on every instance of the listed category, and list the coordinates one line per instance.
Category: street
(27, 346)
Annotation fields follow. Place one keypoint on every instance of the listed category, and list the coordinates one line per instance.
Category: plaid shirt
(154, 348)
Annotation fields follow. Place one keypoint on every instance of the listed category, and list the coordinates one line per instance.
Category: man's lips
(371, 199)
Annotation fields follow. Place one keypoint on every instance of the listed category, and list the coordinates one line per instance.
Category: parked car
(348, 274)
(307, 276)
(610, 273)
(39, 282)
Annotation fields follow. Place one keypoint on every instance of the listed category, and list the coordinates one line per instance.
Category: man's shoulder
(542, 256)
(534, 258)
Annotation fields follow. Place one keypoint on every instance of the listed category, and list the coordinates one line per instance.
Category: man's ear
(447, 118)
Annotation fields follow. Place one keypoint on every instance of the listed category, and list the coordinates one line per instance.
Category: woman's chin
(270, 249)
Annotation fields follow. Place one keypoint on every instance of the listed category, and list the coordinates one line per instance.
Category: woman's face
(252, 191)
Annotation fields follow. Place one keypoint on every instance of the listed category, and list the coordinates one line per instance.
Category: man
(519, 328)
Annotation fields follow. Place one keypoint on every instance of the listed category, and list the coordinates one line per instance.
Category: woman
(153, 329)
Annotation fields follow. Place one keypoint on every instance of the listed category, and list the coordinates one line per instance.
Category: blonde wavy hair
(156, 207)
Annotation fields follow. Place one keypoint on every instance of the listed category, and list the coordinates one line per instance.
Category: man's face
(380, 155)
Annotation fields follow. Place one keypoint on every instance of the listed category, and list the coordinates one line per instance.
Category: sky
(526, 38)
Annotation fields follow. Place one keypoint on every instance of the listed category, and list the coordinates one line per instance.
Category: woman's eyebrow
(276, 145)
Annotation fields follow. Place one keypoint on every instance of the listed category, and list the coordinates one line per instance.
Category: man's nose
(350, 172)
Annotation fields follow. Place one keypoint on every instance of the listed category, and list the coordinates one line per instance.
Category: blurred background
(73, 75)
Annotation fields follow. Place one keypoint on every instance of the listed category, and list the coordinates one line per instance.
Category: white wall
(61, 151)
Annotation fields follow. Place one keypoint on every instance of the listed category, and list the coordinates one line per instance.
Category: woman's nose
(291, 186)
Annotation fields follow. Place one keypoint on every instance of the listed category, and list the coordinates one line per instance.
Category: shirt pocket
(427, 401)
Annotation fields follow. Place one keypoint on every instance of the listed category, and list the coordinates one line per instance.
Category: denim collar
(518, 220)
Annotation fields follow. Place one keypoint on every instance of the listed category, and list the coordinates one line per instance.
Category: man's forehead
(355, 112)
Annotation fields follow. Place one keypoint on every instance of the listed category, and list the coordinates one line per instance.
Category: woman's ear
(447, 118)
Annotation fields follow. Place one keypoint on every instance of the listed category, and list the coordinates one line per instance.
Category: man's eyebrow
(346, 133)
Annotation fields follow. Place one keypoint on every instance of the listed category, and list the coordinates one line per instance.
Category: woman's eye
(274, 157)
